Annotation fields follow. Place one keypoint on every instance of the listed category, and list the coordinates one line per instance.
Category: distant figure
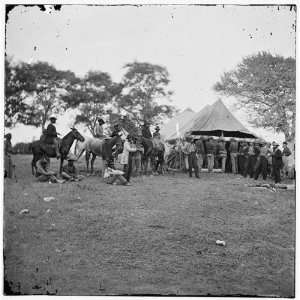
(69, 171)
(286, 152)
(222, 153)
(126, 158)
(99, 129)
(43, 172)
(156, 133)
(276, 162)
(210, 149)
(242, 157)
(137, 156)
(156, 138)
(269, 157)
(262, 162)
(185, 154)
(233, 149)
(190, 149)
(250, 161)
(8, 151)
(51, 135)
(116, 130)
(200, 153)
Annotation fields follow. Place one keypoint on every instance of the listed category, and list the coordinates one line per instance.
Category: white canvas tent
(176, 127)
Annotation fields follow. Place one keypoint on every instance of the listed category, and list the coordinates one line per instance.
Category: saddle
(47, 146)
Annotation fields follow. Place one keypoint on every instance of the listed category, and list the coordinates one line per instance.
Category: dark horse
(156, 155)
(39, 149)
(98, 147)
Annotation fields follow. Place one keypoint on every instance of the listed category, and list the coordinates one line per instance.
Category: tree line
(35, 91)
(263, 83)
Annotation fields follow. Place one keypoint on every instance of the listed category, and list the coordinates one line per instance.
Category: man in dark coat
(242, 157)
(116, 130)
(190, 149)
(146, 133)
(156, 133)
(51, 135)
(8, 150)
(262, 162)
(276, 162)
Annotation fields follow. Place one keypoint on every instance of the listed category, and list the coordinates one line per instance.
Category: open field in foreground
(154, 237)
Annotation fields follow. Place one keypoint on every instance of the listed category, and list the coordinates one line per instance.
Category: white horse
(96, 147)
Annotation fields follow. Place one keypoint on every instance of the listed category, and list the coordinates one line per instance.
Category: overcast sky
(195, 43)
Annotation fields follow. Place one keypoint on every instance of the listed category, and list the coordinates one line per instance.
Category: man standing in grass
(286, 152)
(233, 149)
(210, 149)
(276, 162)
(200, 153)
(222, 153)
(190, 149)
(262, 162)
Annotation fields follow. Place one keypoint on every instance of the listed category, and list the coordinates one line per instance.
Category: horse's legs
(32, 167)
(87, 159)
(61, 164)
(92, 162)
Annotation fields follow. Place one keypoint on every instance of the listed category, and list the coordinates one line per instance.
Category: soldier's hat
(100, 120)
(52, 117)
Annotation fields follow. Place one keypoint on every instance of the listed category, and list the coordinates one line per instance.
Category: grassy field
(155, 237)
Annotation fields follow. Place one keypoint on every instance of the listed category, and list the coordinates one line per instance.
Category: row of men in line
(250, 159)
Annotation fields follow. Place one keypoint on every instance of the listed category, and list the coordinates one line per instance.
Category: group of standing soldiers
(248, 159)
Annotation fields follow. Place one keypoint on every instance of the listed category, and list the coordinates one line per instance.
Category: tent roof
(169, 132)
(217, 119)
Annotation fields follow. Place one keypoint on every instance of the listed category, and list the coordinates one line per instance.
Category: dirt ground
(156, 237)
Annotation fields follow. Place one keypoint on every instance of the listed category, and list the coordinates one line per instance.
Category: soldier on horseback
(50, 136)
(146, 130)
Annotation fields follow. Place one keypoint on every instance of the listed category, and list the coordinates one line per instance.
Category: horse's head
(77, 135)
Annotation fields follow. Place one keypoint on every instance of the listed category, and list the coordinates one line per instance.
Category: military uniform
(51, 137)
(190, 149)
(277, 164)
(222, 153)
(211, 150)
(200, 153)
(233, 149)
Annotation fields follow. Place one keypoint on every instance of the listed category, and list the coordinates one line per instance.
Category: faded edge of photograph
(149, 150)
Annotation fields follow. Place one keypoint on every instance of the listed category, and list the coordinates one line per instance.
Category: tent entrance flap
(223, 133)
